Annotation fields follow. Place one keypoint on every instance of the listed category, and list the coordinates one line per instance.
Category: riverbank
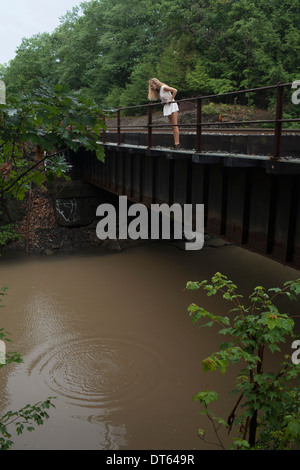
(41, 235)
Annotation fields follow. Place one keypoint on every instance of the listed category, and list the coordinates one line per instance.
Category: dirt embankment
(41, 235)
(39, 232)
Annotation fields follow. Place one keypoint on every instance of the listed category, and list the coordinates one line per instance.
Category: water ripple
(97, 372)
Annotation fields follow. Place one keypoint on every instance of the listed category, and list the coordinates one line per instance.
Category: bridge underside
(251, 201)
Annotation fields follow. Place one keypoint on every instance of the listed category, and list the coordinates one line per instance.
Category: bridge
(247, 179)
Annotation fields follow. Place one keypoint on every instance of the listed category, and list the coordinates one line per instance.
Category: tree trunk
(252, 429)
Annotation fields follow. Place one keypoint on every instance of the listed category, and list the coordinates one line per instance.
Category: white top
(164, 97)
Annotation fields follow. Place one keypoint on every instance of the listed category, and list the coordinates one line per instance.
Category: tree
(127, 34)
(35, 60)
(136, 92)
(269, 401)
(77, 47)
(48, 121)
(38, 128)
(216, 45)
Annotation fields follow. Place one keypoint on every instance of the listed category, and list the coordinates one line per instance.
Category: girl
(159, 90)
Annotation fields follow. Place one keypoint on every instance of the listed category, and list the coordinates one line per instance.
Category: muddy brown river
(108, 334)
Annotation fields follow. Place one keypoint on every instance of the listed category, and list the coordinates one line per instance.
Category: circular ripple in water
(97, 372)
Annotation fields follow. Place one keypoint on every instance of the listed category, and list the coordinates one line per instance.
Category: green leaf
(192, 285)
(210, 364)
(242, 443)
(206, 397)
(293, 428)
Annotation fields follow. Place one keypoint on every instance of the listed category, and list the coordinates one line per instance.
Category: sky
(24, 18)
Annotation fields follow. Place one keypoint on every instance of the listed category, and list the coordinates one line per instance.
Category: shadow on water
(108, 334)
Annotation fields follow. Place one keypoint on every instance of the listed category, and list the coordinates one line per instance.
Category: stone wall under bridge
(250, 201)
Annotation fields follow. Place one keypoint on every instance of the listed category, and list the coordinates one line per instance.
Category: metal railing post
(149, 126)
(119, 125)
(278, 120)
(199, 126)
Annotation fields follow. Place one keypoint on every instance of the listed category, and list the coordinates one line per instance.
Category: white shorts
(170, 108)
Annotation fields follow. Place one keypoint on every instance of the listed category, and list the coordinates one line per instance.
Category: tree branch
(9, 187)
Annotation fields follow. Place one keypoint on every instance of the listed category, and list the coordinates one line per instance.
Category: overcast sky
(24, 18)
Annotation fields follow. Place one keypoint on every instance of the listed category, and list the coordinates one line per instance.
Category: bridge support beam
(75, 203)
(250, 201)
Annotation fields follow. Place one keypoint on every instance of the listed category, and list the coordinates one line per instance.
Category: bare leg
(173, 121)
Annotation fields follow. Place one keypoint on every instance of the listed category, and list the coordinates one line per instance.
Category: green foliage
(270, 402)
(174, 59)
(35, 60)
(198, 79)
(23, 420)
(49, 119)
(135, 92)
(6, 336)
(8, 233)
(199, 46)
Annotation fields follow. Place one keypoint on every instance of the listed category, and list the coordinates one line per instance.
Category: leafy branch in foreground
(37, 126)
(37, 131)
(267, 411)
(24, 419)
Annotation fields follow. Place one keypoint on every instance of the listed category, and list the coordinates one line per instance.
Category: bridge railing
(277, 121)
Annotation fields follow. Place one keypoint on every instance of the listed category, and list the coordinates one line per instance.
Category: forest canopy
(108, 49)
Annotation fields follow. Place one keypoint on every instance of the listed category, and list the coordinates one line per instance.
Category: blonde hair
(153, 95)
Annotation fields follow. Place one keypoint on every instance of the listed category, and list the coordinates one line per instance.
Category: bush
(268, 403)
